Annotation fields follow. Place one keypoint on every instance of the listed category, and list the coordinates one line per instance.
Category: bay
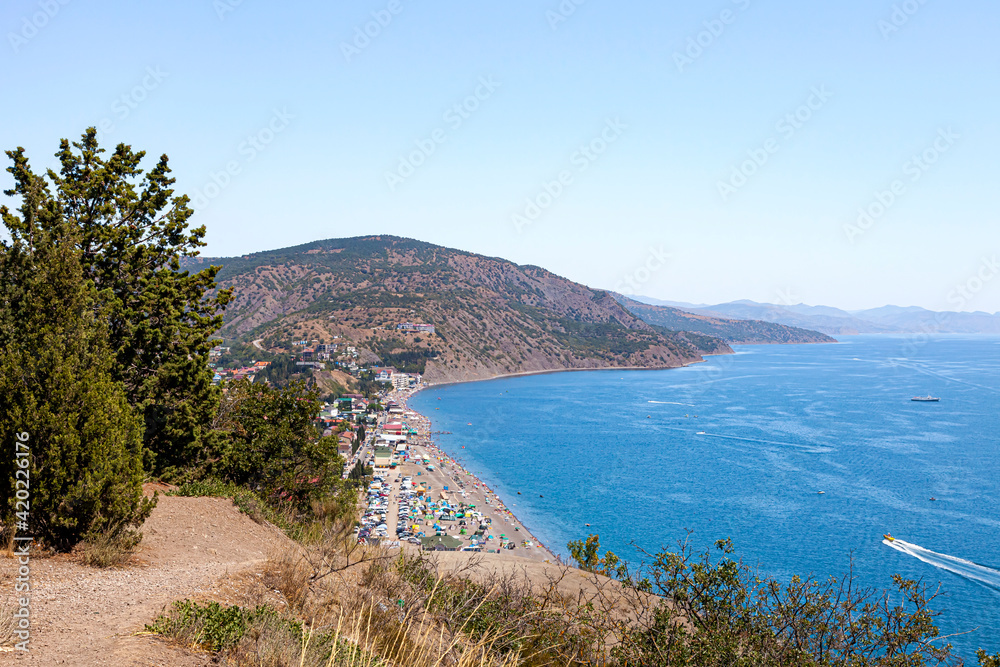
(740, 446)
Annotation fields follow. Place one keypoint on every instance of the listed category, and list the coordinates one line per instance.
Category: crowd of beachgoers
(430, 494)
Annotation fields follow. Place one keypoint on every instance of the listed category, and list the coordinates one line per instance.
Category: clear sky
(704, 151)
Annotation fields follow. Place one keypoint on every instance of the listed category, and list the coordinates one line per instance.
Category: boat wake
(813, 449)
(963, 568)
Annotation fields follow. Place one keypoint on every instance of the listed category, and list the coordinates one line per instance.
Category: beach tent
(440, 543)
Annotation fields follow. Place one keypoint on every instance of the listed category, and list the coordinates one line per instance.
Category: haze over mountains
(829, 320)
(731, 330)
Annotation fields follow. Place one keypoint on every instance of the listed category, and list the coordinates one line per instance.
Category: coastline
(498, 506)
(444, 457)
(403, 398)
(502, 376)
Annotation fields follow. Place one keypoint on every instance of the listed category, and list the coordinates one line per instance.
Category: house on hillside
(345, 449)
(412, 327)
(400, 381)
(384, 375)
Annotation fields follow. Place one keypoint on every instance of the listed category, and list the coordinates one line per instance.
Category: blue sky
(708, 151)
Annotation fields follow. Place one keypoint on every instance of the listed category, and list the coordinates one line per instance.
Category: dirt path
(84, 616)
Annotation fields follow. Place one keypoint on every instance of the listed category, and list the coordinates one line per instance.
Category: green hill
(491, 316)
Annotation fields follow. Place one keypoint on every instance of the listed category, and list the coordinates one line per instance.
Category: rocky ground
(86, 616)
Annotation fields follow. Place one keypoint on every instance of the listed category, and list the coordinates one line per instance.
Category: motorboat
(925, 399)
(889, 537)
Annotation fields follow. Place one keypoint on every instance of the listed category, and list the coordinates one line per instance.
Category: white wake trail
(963, 568)
(814, 449)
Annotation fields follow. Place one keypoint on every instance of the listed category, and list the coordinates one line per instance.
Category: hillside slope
(492, 317)
(733, 331)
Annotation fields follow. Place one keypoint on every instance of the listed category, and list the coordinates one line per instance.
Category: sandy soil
(85, 616)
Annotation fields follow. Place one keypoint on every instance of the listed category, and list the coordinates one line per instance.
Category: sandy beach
(461, 486)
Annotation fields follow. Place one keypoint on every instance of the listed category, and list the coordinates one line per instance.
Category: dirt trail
(85, 616)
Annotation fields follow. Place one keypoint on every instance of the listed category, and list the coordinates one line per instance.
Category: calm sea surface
(741, 445)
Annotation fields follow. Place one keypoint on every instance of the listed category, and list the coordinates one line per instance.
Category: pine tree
(56, 385)
(132, 233)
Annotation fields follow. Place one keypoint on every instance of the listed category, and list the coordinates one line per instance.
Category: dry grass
(363, 639)
(111, 547)
(7, 536)
(352, 605)
(289, 573)
(7, 624)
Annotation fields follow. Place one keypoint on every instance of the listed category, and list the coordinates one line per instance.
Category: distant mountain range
(887, 319)
(729, 329)
(491, 316)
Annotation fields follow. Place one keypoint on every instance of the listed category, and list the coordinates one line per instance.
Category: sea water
(741, 446)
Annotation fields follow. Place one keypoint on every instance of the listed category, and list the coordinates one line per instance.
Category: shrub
(57, 392)
(267, 440)
(210, 626)
(110, 547)
(259, 636)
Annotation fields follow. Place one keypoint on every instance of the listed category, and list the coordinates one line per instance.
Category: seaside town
(416, 496)
(423, 334)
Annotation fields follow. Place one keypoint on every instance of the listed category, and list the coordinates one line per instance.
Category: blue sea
(740, 446)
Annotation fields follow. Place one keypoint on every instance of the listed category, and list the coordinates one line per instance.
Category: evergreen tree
(56, 385)
(268, 442)
(132, 232)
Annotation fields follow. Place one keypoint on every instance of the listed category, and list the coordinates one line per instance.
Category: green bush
(56, 390)
(210, 626)
(266, 439)
(716, 611)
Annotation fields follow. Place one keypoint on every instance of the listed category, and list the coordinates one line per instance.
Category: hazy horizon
(836, 155)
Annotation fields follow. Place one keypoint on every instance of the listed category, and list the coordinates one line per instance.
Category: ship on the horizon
(926, 399)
